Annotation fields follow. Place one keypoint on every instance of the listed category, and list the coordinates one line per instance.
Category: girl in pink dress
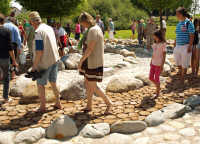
(158, 60)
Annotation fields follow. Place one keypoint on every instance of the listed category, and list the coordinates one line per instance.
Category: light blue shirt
(16, 38)
(183, 31)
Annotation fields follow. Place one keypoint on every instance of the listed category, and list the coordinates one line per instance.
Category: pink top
(78, 28)
(158, 50)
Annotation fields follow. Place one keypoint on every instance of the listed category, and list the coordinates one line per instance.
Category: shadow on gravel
(30, 118)
(176, 86)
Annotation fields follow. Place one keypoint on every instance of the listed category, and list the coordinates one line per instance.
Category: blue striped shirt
(183, 31)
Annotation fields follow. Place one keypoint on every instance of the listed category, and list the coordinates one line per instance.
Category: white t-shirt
(164, 24)
(61, 32)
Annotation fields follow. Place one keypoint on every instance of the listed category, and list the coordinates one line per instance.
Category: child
(158, 59)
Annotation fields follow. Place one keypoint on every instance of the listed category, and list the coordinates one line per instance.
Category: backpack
(196, 35)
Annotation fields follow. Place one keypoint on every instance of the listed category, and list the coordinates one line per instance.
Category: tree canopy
(51, 8)
(5, 6)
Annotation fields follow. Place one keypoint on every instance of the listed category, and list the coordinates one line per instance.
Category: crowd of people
(47, 43)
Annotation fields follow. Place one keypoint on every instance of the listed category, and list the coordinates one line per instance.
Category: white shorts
(181, 56)
(111, 35)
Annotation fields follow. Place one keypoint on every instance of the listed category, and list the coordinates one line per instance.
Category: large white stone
(155, 118)
(128, 127)
(67, 81)
(7, 137)
(127, 53)
(123, 83)
(173, 111)
(30, 136)
(72, 60)
(187, 132)
(61, 128)
(95, 130)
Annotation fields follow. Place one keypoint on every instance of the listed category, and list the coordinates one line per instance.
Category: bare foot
(41, 110)
(109, 107)
(86, 110)
(57, 106)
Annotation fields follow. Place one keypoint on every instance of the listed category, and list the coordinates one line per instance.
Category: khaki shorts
(181, 56)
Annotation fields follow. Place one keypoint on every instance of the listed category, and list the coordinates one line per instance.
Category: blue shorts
(50, 75)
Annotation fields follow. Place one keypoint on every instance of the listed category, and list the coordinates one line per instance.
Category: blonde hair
(86, 17)
(35, 16)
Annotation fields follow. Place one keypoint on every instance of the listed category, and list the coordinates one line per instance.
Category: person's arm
(191, 42)
(191, 30)
(164, 57)
(18, 38)
(39, 51)
(88, 51)
(25, 36)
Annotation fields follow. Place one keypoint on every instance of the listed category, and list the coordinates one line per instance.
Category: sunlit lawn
(126, 34)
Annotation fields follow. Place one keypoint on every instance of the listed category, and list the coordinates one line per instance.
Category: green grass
(126, 34)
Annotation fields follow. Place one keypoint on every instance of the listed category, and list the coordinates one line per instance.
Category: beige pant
(149, 41)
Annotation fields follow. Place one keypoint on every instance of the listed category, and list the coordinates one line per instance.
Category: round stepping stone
(127, 127)
(188, 132)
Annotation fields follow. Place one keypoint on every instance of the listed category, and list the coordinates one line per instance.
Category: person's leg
(41, 90)
(41, 93)
(193, 60)
(99, 92)
(157, 80)
(90, 93)
(177, 58)
(148, 42)
(5, 64)
(186, 60)
(197, 61)
(152, 74)
(53, 73)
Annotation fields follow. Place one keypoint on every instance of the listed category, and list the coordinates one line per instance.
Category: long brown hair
(159, 34)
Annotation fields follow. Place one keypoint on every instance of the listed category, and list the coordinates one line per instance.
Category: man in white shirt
(45, 59)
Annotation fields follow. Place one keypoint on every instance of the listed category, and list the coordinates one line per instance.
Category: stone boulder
(128, 127)
(71, 60)
(7, 137)
(155, 118)
(67, 81)
(62, 127)
(131, 60)
(127, 53)
(172, 111)
(192, 101)
(30, 136)
(95, 130)
(114, 60)
(123, 83)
